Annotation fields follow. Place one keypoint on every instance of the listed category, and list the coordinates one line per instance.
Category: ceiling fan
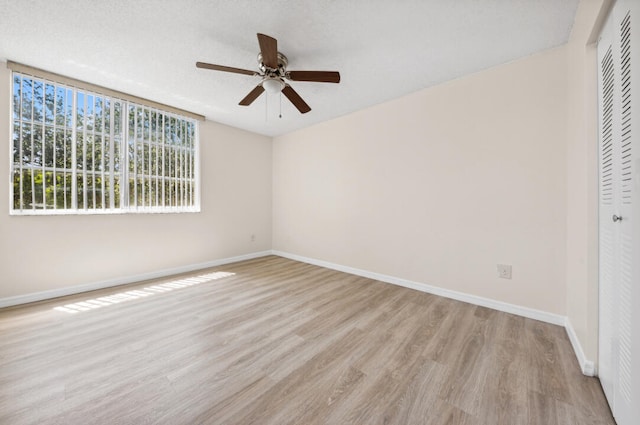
(273, 71)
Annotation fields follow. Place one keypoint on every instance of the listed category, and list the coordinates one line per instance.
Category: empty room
(320, 212)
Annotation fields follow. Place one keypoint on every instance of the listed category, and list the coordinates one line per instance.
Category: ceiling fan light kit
(273, 85)
(273, 71)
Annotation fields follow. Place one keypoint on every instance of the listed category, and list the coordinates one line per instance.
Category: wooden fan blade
(269, 50)
(295, 98)
(253, 95)
(225, 68)
(316, 76)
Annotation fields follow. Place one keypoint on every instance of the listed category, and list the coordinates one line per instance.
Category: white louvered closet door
(619, 222)
(608, 244)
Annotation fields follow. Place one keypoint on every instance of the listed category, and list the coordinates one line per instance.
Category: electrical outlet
(504, 271)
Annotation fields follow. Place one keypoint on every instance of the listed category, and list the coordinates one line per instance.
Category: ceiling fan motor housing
(279, 72)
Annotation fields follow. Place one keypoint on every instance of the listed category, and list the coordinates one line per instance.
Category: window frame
(126, 138)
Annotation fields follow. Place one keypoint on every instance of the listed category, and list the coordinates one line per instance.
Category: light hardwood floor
(281, 342)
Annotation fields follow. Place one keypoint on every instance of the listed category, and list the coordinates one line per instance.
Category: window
(81, 151)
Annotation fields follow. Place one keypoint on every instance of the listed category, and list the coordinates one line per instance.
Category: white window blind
(80, 151)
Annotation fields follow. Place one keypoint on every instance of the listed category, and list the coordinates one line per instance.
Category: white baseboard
(460, 296)
(61, 292)
(586, 365)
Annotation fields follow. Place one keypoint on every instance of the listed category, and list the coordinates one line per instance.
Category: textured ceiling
(383, 49)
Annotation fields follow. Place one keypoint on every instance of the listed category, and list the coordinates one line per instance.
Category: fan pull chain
(280, 116)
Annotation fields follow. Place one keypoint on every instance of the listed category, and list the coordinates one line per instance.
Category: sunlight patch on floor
(135, 294)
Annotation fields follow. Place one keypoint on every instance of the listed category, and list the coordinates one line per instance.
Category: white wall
(41, 253)
(582, 175)
(439, 186)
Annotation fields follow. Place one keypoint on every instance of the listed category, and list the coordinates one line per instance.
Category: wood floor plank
(416, 404)
(504, 395)
(275, 341)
